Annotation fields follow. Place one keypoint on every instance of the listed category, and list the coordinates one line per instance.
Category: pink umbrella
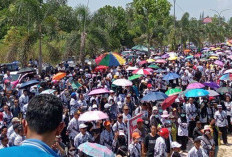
(149, 69)
(142, 62)
(195, 85)
(160, 61)
(197, 55)
(141, 71)
(98, 91)
(220, 63)
(230, 57)
(93, 116)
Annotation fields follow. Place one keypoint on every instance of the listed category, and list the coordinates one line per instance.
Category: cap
(82, 126)
(165, 114)
(149, 85)
(107, 123)
(107, 105)
(135, 135)
(175, 145)
(139, 120)
(111, 91)
(207, 127)
(219, 106)
(94, 106)
(128, 95)
(154, 108)
(121, 133)
(196, 140)
(15, 119)
(73, 94)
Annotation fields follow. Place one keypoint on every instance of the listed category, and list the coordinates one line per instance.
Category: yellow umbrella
(218, 48)
(213, 57)
(213, 49)
(59, 76)
(172, 58)
(150, 60)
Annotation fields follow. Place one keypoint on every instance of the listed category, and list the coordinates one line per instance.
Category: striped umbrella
(110, 59)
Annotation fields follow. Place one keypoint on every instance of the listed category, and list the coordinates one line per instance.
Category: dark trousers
(183, 140)
(229, 125)
(192, 125)
(223, 130)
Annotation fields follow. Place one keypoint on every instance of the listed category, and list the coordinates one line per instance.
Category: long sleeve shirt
(221, 118)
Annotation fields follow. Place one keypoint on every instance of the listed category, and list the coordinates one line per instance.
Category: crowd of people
(159, 132)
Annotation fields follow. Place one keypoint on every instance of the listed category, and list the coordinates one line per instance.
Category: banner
(132, 125)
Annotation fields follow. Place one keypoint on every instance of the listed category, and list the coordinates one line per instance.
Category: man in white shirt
(191, 113)
(4, 141)
(20, 136)
(160, 145)
(23, 99)
(197, 151)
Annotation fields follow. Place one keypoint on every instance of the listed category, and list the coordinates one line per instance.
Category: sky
(194, 7)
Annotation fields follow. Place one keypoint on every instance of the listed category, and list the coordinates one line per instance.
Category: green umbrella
(133, 77)
(174, 91)
(75, 85)
(140, 48)
(153, 66)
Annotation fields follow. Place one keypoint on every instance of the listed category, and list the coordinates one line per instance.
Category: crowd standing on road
(164, 128)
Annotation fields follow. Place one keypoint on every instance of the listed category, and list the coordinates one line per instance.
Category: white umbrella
(122, 82)
(213, 93)
(92, 116)
(131, 68)
(228, 71)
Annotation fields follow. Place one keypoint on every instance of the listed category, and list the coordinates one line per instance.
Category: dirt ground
(224, 151)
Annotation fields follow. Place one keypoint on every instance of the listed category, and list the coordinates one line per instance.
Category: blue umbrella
(154, 96)
(94, 149)
(189, 57)
(171, 76)
(197, 93)
(226, 77)
(29, 83)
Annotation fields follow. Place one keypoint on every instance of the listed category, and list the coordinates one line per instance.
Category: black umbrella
(28, 84)
(26, 70)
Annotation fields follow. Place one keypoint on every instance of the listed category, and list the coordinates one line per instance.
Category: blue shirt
(29, 148)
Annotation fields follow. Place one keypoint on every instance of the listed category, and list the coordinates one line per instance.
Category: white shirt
(195, 153)
(12, 138)
(73, 127)
(23, 100)
(160, 147)
(221, 119)
(228, 107)
(18, 140)
(135, 149)
(10, 130)
(80, 138)
(191, 111)
(182, 128)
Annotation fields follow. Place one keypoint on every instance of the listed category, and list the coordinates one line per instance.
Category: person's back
(42, 124)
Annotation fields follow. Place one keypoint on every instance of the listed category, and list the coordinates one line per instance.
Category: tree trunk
(82, 48)
(40, 50)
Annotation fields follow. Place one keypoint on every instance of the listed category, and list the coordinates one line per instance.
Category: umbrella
(110, 59)
(133, 77)
(141, 71)
(197, 55)
(48, 91)
(196, 93)
(154, 96)
(195, 85)
(150, 60)
(153, 66)
(189, 57)
(187, 50)
(95, 150)
(172, 58)
(160, 70)
(165, 56)
(122, 82)
(131, 68)
(140, 48)
(101, 67)
(212, 93)
(168, 101)
(211, 84)
(223, 90)
(98, 91)
(142, 62)
(213, 57)
(226, 77)
(28, 84)
(160, 61)
(59, 76)
(26, 70)
(228, 71)
(220, 63)
(75, 85)
(174, 91)
(93, 116)
(171, 76)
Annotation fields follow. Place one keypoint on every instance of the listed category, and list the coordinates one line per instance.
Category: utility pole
(219, 14)
(40, 44)
(174, 1)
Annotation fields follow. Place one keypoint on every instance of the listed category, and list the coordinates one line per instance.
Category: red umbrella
(168, 101)
(101, 67)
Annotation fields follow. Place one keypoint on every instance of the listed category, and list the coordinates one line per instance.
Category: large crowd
(159, 132)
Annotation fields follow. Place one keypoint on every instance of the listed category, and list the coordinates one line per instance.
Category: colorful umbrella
(171, 76)
(133, 77)
(141, 71)
(75, 85)
(95, 150)
(101, 67)
(110, 59)
(98, 91)
(48, 91)
(172, 58)
(168, 101)
(197, 55)
(174, 91)
(143, 62)
(195, 85)
(165, 56)
(211, 84)
(213, 57)
(228, 71)
(226, 77)
(122, 82)
(131, 68)
(93, 116)
(212, 93)
(196, 93)
(224, 90)
(220, 63)
(189, 57)
(153, 66)
(154, 96)
(59, 76)
(150, 60)
(140, 48)
(187, 51)
(161, 61)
